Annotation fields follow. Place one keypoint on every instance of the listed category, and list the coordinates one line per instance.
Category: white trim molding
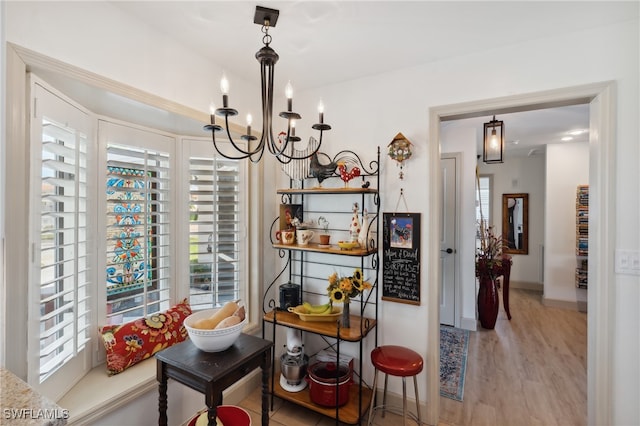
(601, 98)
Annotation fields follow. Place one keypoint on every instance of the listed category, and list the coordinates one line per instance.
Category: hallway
(531, 370)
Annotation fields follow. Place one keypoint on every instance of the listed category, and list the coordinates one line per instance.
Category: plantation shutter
(215, 230)
(60, 276)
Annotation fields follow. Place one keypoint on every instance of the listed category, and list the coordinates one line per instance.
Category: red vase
(487, 301)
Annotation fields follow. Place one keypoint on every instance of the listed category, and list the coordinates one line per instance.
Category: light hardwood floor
(531, 370)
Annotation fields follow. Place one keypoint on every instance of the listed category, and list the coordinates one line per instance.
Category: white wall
(98, 37)
(370, 111)
(521, 175)
(400, 101)
(567, 167)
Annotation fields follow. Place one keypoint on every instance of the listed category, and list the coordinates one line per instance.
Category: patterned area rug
(454, 345)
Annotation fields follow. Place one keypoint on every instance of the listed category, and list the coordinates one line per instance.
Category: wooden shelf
(328, 191)
(348, 413)
(333, 249)
(360, 326)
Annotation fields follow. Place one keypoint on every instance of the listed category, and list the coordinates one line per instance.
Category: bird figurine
(321, 171)
(298, 168)
(347, 175)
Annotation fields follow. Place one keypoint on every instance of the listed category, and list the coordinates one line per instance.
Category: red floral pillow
(128, 344)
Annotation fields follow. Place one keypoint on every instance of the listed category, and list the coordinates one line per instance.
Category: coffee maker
(289, 295)
(293, 363)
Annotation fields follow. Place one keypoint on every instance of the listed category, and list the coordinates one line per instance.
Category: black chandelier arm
(213, 128)
(247, 153)
(219, 151)
(267, 138)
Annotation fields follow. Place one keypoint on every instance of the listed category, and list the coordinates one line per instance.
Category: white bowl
(212, 340)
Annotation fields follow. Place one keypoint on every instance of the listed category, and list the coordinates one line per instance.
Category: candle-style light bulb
(224, 88)
(293, 127)
(288, 92)
(224, 85)
(494, 139)
(321, 111)
(249, 121)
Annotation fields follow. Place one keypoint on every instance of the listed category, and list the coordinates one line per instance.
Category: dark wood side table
(506, 274)
(213, 372)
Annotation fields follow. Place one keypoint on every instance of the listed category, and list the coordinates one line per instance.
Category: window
(60, 273)
(137, 235)
(123, 224)
(483, 203)
(216, 218)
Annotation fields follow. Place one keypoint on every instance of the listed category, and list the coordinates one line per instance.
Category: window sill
(97, 393)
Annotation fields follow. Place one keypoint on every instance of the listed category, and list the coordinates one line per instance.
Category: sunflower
(357, 284)
(357, 275)
(337, 295)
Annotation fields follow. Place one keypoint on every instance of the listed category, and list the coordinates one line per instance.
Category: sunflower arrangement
(343, 289)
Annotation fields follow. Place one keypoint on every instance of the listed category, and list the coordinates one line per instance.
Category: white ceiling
(327, 42)
(528, 132)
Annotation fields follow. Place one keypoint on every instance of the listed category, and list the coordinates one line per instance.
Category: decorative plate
(348, 245)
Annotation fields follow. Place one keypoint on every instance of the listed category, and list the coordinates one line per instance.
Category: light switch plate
(627, 262)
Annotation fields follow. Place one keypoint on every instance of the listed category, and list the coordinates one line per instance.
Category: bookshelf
(582, 235)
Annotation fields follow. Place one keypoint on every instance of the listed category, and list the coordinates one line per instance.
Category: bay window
(124, 221)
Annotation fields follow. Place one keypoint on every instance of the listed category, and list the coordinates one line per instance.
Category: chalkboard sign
(401, 257)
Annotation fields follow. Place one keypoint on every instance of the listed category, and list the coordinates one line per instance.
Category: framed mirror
(515, 223)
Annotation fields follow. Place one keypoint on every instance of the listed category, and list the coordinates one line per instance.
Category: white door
(448, 254)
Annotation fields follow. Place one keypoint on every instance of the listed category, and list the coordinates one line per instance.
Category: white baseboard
(469, 324)
(565, 304)
(524, 285)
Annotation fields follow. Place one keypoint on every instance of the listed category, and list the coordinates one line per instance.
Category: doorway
(601, 176)
(450, 288)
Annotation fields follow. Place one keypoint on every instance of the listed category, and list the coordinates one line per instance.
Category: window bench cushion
(128, 344)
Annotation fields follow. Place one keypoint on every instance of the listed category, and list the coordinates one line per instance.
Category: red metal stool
(400, 362)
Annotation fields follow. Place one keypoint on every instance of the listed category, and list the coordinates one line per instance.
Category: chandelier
(493, 144)
(282, 148)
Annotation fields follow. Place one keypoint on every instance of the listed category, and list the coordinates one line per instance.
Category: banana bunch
(317, 309)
